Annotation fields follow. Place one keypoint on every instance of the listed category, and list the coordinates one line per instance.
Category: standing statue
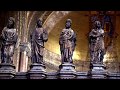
(38, 37)
(9, 39)
(96, 43)
(67, 42)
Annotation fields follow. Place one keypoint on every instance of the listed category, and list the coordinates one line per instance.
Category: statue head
(39, 23)
(68, 23)
(11, 23)
(97, 24)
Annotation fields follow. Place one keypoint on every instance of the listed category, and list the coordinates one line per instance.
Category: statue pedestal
(98, 71)
(67, 71)
(37, 71)
(7, 71)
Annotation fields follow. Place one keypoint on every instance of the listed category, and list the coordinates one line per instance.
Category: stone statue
(9, 39)
(96, 43)
(67, 42)
(38, 37)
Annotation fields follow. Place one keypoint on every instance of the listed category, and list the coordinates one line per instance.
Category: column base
(67, 71)
(7, 71)
(37, 71)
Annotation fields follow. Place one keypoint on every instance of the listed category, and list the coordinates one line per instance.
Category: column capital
(25, 46)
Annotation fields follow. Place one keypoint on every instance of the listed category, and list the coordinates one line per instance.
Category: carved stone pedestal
(37, 71)
(98, 71)
(7, 71)
(67, 71)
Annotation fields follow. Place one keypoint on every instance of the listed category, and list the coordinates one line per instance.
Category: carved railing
(110, 66)
(80, 65)
(113, 66)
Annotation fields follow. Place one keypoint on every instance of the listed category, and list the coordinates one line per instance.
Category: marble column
(17, 50)
(23, 60)
(24, 49)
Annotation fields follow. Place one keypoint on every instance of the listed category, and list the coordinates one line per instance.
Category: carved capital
(25, 47)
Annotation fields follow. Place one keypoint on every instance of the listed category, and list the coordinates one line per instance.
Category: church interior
(54, 22)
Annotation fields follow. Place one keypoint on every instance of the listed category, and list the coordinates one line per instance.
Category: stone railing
(54, 60)
(113, 66)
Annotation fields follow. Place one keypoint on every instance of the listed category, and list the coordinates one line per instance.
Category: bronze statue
(38, 37)
(9, 39)
(67, 42)
(96, 43)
